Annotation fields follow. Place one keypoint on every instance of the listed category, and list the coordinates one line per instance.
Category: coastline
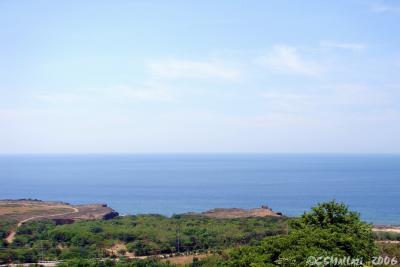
(103, 211)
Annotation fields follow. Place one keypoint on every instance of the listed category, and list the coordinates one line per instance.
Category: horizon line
(190, 153)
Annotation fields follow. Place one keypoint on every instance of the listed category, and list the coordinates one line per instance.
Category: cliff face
(110, 215)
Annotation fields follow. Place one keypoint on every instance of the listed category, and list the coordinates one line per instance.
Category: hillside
(26, 209)
(231, 213)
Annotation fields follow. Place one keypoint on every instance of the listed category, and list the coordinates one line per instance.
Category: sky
(200, 76)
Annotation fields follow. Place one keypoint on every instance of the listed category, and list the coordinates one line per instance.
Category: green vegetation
(390, 250)
(111, 263)
(140, 235)
(329, 229)
(387, 236)
(5, 228)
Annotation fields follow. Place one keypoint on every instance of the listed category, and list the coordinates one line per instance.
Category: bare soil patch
(230, 213)
(383, 228)
(182, 260)
(20, 210)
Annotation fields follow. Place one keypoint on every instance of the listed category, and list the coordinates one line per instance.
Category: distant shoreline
(101, 210)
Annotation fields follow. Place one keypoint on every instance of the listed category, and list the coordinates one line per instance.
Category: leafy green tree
(328, 230)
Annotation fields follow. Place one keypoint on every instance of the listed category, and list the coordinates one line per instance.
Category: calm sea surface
(169, 184)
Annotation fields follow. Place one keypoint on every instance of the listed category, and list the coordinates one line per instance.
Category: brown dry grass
(116, 249)
(240, 213)
(21, 210)
(187, 259)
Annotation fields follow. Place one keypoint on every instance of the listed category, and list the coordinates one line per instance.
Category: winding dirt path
(11, 236)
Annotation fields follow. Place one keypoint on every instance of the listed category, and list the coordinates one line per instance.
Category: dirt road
(11, 236)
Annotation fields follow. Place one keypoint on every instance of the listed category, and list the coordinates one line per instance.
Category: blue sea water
(169, 184)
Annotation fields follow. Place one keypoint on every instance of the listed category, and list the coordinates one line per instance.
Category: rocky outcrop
(110, 215)
(230, 213)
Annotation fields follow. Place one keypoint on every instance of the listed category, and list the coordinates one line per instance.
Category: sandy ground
(388, 241)
(393, 229)
(182, 260)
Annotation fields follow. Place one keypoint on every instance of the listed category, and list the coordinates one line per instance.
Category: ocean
(171, 184)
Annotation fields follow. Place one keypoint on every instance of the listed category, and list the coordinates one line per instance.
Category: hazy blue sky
(199, 76)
